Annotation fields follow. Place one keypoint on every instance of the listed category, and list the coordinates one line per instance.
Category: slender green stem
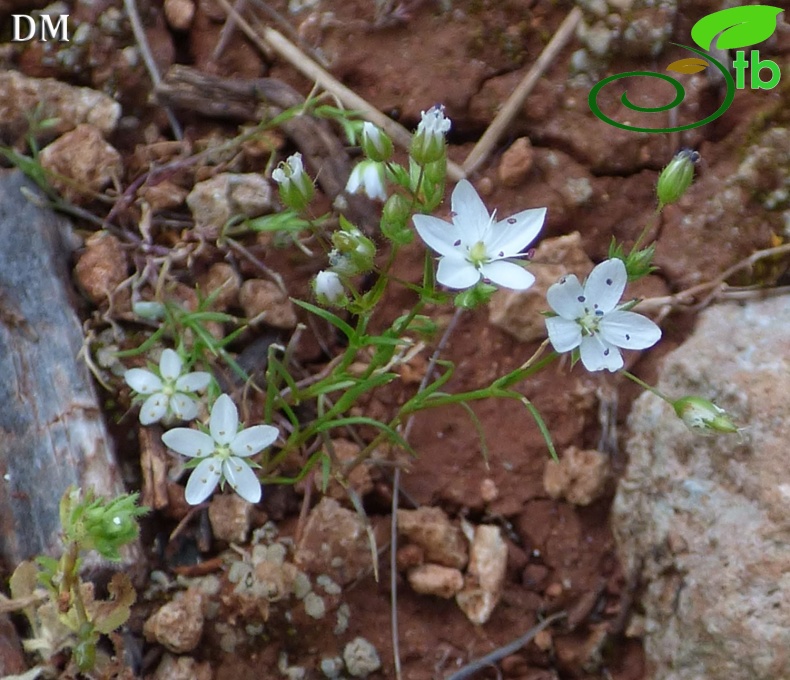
(650, 224)
(649, 388)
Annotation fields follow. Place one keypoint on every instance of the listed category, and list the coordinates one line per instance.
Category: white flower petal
(355, 179)
(512, 235)
(153, 409)
(224, 421)
(439, 235)
(170, 364)
(564, 334)
(183, 407)
(507, 274)
(470, 215)
(142, 381)
(629, 330)
(597, 354)
(188, 442)
(243, 480)
(456, 272)
(193, 382)
(248, 442)
(605, 285)
(563, 297)
(373, 181)
(202, 481)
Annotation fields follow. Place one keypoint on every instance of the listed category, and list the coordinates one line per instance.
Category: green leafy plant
(67, 615)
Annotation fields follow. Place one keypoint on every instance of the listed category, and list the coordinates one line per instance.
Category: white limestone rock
(703, 520)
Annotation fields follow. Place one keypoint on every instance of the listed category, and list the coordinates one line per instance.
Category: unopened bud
(703, 417)
(356, 248)
(395, 220)
(676, 177)
(295, 185)
(375, 143)
(329, 289)
(428, 144)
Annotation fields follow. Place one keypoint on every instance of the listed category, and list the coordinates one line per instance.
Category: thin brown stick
(716, 287)
(148, 59)
(269, 38)
(512, 106)
(511, 648)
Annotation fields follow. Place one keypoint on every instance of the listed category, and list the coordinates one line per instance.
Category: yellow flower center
(478, 254)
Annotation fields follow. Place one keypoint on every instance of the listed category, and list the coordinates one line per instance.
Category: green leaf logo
(738, 26)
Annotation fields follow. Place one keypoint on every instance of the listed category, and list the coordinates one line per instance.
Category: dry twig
(269, 38)
(716, 288)
(511, 107)
(148, 58)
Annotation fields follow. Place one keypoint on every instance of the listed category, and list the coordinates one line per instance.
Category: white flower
(433, 123)
(329, 287)
(474, 246)
(295, 185)
(368, 176)
(590, 319)
(222, 452)
(170, 391)
(428, 143)
(289, 171)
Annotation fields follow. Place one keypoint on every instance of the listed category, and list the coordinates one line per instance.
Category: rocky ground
(235, 591)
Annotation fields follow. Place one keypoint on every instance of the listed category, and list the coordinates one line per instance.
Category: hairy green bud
(375, 143)
(703, 416)
(676, 177)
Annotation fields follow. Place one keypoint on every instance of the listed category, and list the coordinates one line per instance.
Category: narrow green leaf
(326, 315)
(544, 431)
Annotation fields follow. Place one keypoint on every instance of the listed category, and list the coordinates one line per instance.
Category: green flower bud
(428, 144)
(355, 246)
(99, 524)
(475, 296)
(676, 178)
(395, 220)
(375, 143)
(703, 417)
(295, 185)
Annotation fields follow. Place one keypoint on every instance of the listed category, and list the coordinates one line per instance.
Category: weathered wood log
(263, 99)
(52, 434)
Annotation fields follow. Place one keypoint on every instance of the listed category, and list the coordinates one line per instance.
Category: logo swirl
(680, 94)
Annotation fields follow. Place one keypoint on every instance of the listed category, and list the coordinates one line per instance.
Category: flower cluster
(220, 453)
